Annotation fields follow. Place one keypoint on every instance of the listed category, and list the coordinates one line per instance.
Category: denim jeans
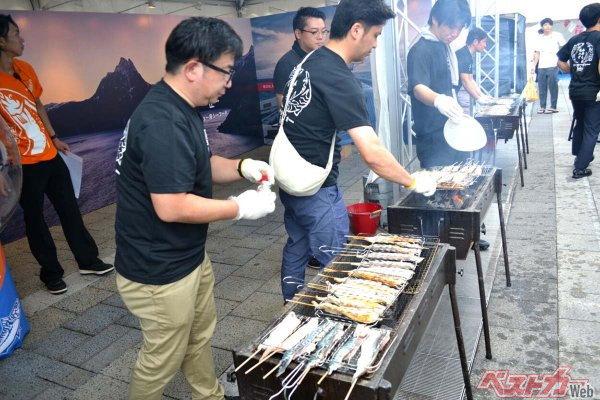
(548, 80)
(310, 222)
(585, 131)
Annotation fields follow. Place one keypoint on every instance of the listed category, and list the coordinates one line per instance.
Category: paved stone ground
(549, 317)
(82, 344)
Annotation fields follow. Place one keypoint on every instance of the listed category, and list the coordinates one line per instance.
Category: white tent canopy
(214, 8)
(533, 10)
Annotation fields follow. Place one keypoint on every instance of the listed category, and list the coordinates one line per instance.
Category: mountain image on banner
(109, 108)
(120, 92)
(242, 99)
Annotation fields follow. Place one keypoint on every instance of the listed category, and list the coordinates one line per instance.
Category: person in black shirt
(430, 82)
(476, 43)
(327, 97)
(165, 172)
(580, 57)
(310, 34)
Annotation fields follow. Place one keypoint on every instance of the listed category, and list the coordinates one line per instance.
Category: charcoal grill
(455, 217)
(506, 126)
(407, 319)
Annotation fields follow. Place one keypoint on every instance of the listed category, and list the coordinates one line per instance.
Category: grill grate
(392, 317)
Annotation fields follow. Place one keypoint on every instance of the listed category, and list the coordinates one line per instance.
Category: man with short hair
(432, 72)
(44, 171)
(544, 56)
(165, 172)
(326, 97)
(310, 34)
(581, 57)
(476, 43)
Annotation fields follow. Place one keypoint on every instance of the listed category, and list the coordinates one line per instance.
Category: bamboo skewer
(264, 358)
(350, 390)
(347, 263)
(265, 376)
(393, 238)
(322, 378)
(301, 302)
(248, 359)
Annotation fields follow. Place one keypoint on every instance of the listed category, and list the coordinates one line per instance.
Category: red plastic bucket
(364, 218)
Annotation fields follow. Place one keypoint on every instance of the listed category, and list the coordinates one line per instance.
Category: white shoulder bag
(293, 173)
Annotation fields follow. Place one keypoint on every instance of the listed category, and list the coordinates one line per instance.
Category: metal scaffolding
(396, 42)
(488, 77)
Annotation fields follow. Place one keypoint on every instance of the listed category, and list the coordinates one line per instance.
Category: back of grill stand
(458, 227)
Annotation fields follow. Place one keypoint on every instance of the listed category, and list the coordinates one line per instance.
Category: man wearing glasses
(165, 172)
(310, 34)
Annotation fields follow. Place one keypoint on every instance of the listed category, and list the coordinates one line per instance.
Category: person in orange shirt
(44, 171)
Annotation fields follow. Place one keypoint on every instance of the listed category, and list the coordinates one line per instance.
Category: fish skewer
(386, 238)
(379, 263)
(320, 354)
(390, 248)
(407, 274)
(292, 340)
(368, 352)
(392, 257)
(298, 348)
(278, 334)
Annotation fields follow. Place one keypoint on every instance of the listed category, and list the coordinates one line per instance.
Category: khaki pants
(177, 322)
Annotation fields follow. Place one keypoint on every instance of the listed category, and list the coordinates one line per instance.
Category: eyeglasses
(324, 32)
(231, 72)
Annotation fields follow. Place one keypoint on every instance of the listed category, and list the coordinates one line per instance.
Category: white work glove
(254, 204)
(598, 96)
(253, 170)
(483, 99)
(447, 106)
(423, 183)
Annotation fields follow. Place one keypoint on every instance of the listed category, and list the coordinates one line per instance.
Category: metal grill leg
(460, 342)
(495, 143)
(503, 234)
(525, 125)
(520, 130)
(484, 315)
(520, 162)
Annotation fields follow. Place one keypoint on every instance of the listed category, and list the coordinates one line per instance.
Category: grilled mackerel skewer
(391, 239)
(392, 257)
(278, 334)
(381, 263)
(400, 247)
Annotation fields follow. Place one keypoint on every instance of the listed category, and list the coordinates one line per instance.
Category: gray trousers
(548, 80)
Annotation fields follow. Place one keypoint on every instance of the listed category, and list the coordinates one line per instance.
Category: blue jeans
(310, 222)
(548, 80)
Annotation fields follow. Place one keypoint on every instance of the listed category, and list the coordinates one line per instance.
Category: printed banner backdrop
(96, 68)
(273, 37)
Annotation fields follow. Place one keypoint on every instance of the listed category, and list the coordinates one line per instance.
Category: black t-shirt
(465, 63)
(428, 65)
(286, 65)
(583, 52)
(326, 97)
(164, 149)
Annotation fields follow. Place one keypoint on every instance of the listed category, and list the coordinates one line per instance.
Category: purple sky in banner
(72, 52)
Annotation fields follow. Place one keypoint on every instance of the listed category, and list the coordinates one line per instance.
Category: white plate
(466, 134)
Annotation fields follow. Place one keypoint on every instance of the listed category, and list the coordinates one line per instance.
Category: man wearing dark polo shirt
(310, 34)
(476, 43)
